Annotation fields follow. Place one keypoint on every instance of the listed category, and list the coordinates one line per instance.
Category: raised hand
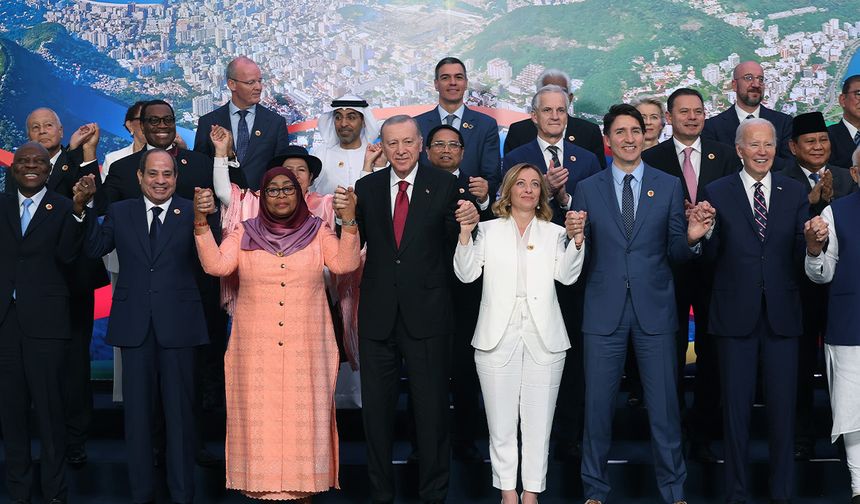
(467, 215)
(556, 178)
(479, 188)
(827, 186)
(83, 192)
(81, 135)
(574, 224)
(204, 202)
(816, 231)
(344, 203)
(701, 219)
(222, 139)
(373, 157)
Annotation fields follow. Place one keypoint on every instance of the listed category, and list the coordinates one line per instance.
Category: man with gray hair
(756, 246)
(578, 131)
(259, 134)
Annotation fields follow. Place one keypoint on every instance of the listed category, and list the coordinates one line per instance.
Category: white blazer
(495, 251)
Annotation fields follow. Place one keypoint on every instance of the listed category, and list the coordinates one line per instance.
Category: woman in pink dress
(282, 360)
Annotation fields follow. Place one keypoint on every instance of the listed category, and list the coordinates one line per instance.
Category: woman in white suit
(520, 340)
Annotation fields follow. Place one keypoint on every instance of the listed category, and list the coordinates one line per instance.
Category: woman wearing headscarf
(282, 360)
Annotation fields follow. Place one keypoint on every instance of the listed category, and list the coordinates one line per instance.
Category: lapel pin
(711, 156)
(340, 164)
(65, 167)
(258, 132)
(280, 254)
(571, 138)
(530, 246)
(184, 161)
(461, 190)
(177, 211)
(779, 188)
(572, 159)
(467, 125)
(650, 193)
(427, 191)
(49, 207)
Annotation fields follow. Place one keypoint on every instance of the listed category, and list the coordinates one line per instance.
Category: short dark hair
(142, 165)
(133, 112)
(441, 127)
(682, 92)
(151, 103)
(850, 80)
(449, 60)
(621, 109)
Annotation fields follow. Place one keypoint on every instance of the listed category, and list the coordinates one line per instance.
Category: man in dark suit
(823, 182)
(41, 238)
(157, 320)
(696, 161)
(481, 156)
(757, 248)
(580, 132)
(407, 217)
(635, 227)
(748, 84)
(68, 165)
(565, 165)
(844, 135)
(259, 134)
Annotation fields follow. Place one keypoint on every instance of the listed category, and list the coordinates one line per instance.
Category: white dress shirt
(820, 268)
(851, 129)
(114, 156)
(458, 115)
(164, 207)
(742, 114)
(749, 183)
(547, 154)
(695, 155)
(395, 186)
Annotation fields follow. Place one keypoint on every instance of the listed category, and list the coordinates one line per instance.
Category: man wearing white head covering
(346, 129)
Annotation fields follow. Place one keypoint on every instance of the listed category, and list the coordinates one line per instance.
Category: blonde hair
(502, 207)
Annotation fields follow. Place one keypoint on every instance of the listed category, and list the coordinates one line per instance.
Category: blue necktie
(242, 136)
(815, 177)
(26, 217)
(154, 228)
(759, 210)
(449, 119)
(627, 212)
(857, 138)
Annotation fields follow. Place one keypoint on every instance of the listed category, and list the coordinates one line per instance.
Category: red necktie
(401, 209)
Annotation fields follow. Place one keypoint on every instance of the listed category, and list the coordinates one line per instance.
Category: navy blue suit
(723, 126)
(481, 156)
(756, 315)
(841, 144)
(629, 294)
(271, 141)
(157, 320)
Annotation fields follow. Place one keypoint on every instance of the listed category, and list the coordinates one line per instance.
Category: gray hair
(749, 123)
(56, 117)
(553, 73)
(399, 119)
(550, 88)
(649, 100)
(855, 158)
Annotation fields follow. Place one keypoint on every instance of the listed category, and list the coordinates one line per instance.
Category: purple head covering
(280, 235)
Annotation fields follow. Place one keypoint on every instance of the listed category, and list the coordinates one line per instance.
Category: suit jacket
(723, 126)
(580, 132)
(579, 162)
(640, 265)
(463, 192)
(481, 157)
(34, 265)
(843, 184)
(494, 252)
(718, 160)
(268, 139)
(158, 288)
(413, 278)
(841, 144)
(747, 270)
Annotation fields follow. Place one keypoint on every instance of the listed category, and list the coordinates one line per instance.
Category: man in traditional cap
(347, 129)
(811, 146)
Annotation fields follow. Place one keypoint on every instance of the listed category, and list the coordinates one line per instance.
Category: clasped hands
(83, 192)
(816, 231)
(700, 219)
(574, 224)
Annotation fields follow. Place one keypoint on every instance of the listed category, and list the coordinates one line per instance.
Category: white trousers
(518, 390)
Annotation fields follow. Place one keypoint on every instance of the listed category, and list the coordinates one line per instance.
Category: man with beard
(347, 129)
(259, 133)
(748, 84)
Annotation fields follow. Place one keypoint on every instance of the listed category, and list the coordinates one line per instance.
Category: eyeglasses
(253, 82)
(155, 121)
(751, 77)
(854, 94)
(440, 145)
(274, 192)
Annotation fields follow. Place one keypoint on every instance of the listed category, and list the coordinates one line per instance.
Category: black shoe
(76, 455)
(803, 451)
(21, 501)
(780, 501)
(205, 458)
(701, 452)
(57, 500)
(466, 451)
(568, 451)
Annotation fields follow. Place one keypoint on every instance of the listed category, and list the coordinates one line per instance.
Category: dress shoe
(855, 499)
(466, 451)
(803, 451)
(780, 501)
(76, 455)
(701, 452)
(568, 451)
(58, 501)
(21, 501)
(205, 458)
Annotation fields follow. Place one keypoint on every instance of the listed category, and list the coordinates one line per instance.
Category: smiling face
(550, 117)
(159, 126)
(757, 150)
(30, 168)
(451, 83)
(444, 151)
(401, 144)
(281, 205)
(748, 83)
(812, 150)
(625, 141)
(526, 191)
(158, 178)
(687, 118)
(44, 126)
(850, 103)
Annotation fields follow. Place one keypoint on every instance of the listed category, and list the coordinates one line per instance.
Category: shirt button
(281, 323)
(151, 270)
(397, 261)
(280, 303)
(283, 266)
(280, 343)
(283, 284)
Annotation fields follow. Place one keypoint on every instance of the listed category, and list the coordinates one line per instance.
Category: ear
(792, 145)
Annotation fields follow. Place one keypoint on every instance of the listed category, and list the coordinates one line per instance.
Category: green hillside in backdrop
(69, 50)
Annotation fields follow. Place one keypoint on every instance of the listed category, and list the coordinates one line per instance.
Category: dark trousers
(814, 299)
(31, 370)
(146, 371)
(427, 368)
(465, 388)
(739, 358)
(570, 405)
(79, 393)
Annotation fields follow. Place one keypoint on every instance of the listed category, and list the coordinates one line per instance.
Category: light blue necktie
(26, 216)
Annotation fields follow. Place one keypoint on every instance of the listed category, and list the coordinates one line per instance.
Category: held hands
(204, 204)
(823, 189)
(574, 223)
(479, 188)
(700, 219)
(344, 203)
(83, 134)
(222, 139)
(467, 216)
(556, 178)
(815, 230)
(374, 158)
(83, 192)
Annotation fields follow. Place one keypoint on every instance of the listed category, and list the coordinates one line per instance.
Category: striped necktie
(759, 210)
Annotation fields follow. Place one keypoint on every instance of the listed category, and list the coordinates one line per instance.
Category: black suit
(814, 298)
(842, 145)
(405, 313)
(579, 132)
(34, 332)
(723, 126)
(693, 282)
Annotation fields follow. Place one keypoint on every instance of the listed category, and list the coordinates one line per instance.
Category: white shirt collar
(679, 147)
(394, 179)
(742, 114)
(37, 198)
(544, 144)
(164, 206)
(748, 181)
(851, 129)
(444, 113)
(55, 158)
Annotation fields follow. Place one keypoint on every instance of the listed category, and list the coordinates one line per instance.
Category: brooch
(176, 211)
(650, 194)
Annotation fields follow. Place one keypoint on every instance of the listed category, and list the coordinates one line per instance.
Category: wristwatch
(350, 222)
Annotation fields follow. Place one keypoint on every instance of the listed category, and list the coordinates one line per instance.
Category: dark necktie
(553, 150)
(749, 117)
(759, 210)
(242, 136)
(401, 209)
(154, 228)
(857, 138)
(815, 177)
(449, 119)
(627, 212)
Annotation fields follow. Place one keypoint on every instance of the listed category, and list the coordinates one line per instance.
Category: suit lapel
(57, 171)
(12, 215)
(46, 206)
(607, 190)
(743, 203)
(646, 200)
(775, 205)
(796, 173)
(467, 125)
(168, 228)
(422, 193)
(382, 198)
(707, 168)
(261, 122)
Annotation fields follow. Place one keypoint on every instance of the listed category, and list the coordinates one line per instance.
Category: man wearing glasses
(259, 134)
(844, 135)
(749, 85)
